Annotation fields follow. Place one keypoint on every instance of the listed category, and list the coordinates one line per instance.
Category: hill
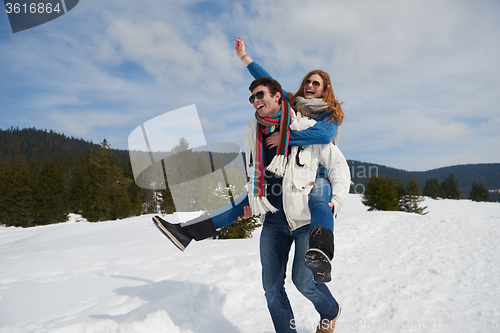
(466, 174)
(42, 144)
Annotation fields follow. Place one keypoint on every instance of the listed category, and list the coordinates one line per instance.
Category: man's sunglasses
(258, 94)
(314, 83)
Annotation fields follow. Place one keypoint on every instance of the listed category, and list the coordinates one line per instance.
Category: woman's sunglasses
(258, 94)
(314, 83)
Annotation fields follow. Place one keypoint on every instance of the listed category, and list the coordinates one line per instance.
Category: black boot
(181, 234)
(320, 254)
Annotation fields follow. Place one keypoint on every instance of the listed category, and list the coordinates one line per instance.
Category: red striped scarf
(265, 126)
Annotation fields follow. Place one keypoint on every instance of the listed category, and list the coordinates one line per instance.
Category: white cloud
(411, 74)
(212, 126)
(491, 127)
(155, 45)
(443, 133)
(163, 50)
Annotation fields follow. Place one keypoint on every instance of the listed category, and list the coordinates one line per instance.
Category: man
(280, 228)
(271, 170)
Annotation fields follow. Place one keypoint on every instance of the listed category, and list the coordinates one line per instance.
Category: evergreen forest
(46, 175)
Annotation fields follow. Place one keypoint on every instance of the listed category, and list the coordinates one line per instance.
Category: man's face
(268, 105)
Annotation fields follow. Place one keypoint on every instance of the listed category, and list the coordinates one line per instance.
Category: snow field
(392, 272)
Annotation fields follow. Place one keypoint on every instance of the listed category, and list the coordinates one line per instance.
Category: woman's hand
(241, 52)
(273, 140)
(240, 47)
(247, 213)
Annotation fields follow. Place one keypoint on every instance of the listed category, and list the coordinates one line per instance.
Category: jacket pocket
(303, 184)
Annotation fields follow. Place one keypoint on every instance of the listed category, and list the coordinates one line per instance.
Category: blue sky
(420, 80)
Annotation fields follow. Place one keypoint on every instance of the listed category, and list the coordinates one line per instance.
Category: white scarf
(312, 107)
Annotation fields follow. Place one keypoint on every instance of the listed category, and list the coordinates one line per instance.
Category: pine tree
(189, 179)
(134, 191)
(86, 189)
(240, 229)
(166, 201)
(401, 190)
(228, 192)
(107, 187)
(18, 202)
(34, 168)
(98, 171)
(413, 198)
(184, 170)
(479, 192)
(433, 189)
(381, 194)
(151, 201)
(451, 187)
(65, 167)
(121, 207)
(49, 194)
(78, 187)
(192, 175)
(5, 174)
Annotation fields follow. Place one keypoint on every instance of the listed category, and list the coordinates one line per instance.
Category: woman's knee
(321, 192)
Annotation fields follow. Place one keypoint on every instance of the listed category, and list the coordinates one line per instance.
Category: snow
(392, 272)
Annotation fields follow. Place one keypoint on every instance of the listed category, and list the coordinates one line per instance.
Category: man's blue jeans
(275, 243)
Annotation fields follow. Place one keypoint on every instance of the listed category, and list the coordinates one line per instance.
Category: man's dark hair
(271, 84)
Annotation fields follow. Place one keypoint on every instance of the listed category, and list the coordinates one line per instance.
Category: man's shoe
(320, 254)
(325, 326)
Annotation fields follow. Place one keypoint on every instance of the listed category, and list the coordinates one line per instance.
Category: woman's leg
(229, 213)
(320, 196)
(321, 246)
(204, 226)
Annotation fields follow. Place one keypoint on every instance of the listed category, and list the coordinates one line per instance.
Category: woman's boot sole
(318, 262)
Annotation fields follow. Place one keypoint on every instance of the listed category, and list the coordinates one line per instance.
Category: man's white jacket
(299, 180)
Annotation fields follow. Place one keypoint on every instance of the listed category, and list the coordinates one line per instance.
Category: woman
(315, 99)
(316, 88)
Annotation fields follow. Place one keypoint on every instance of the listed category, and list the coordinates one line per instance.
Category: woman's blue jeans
(228, 214)
(275, 243)
(319, 197)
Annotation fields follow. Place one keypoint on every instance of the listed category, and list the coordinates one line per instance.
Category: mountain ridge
(43, 144)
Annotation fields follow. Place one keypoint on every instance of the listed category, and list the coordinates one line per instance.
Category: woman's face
(314, 87)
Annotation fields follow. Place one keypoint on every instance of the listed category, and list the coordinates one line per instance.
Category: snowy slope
(393, 272)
